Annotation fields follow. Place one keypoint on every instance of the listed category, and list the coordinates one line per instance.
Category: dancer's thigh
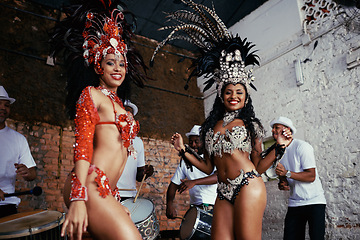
(108, 218)
(222, 223)
(249, 210)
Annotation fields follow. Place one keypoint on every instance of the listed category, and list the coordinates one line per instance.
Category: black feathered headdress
(223, 57)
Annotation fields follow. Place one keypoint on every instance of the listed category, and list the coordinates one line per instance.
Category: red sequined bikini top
(87, 118)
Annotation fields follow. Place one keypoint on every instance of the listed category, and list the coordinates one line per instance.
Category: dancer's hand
(287, 133)
(283, 136)
(177, 141)
(76, 221)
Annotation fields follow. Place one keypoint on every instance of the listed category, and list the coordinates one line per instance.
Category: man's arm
(170, 196)
(188, 184)
(308, 175)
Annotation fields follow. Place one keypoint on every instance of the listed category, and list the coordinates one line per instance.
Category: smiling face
(234, 97)
(114, 72)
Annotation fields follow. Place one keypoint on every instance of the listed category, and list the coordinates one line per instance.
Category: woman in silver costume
(232, 134)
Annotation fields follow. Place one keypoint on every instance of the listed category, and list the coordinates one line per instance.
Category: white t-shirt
(298, 156)
(128, 177)
(14, 148)
(199, 193)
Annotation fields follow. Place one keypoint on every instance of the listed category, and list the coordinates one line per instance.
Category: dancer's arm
(205, 166)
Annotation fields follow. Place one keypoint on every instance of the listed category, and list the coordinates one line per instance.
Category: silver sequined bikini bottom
(230, 190)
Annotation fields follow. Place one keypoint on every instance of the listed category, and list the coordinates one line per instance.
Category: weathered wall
(324, 109)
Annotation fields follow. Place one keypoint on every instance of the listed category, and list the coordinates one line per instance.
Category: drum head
(19, 225)
(140, 210)
(187, 226)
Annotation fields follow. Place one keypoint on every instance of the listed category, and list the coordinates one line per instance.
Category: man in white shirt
(15, 158)
(202, 187)
(297, 172)
(135, 168)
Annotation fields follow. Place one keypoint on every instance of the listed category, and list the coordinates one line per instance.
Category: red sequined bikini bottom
(103, 183)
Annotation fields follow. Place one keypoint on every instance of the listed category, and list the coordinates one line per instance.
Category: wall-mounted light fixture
(298, 73)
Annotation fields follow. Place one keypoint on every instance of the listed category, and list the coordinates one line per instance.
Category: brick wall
(39, 89)
(52, 149)
(39, 112)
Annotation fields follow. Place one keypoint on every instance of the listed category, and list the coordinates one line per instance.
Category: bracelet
(182, 153)
(78, 191)
(187, 162)
(279, 150)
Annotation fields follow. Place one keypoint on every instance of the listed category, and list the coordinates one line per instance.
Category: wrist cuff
(78, 191)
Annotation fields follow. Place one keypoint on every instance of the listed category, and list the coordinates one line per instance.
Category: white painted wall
(325, 109)
(273, 23)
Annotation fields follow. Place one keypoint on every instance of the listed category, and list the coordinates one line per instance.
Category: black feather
(203, 28)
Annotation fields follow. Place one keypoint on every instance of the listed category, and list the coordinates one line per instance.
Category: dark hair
(247, 114)
(82, 77)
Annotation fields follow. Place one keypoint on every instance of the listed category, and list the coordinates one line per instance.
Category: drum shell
(147, 223)
(36, 225)
(200, 221)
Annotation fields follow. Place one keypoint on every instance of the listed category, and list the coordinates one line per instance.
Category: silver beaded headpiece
(233, 70)
(223, 56)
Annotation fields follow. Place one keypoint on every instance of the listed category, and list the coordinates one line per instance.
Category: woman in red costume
(104, 130)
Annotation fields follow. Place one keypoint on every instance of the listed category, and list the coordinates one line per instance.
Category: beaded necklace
(112, 95)
(229, 117)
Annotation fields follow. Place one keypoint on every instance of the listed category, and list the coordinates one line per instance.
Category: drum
(36, 225)
(196, 224)
(144, 217)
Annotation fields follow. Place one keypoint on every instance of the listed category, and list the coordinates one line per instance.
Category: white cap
(4, 95)
(284, 121)
(128, 103)
(195, 131)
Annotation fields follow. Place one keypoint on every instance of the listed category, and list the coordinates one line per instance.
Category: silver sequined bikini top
(237, 138)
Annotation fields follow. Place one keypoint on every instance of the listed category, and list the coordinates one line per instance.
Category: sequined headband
(102, 36)
(232, 70)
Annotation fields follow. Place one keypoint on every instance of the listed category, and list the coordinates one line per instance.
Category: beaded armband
(78, 191)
